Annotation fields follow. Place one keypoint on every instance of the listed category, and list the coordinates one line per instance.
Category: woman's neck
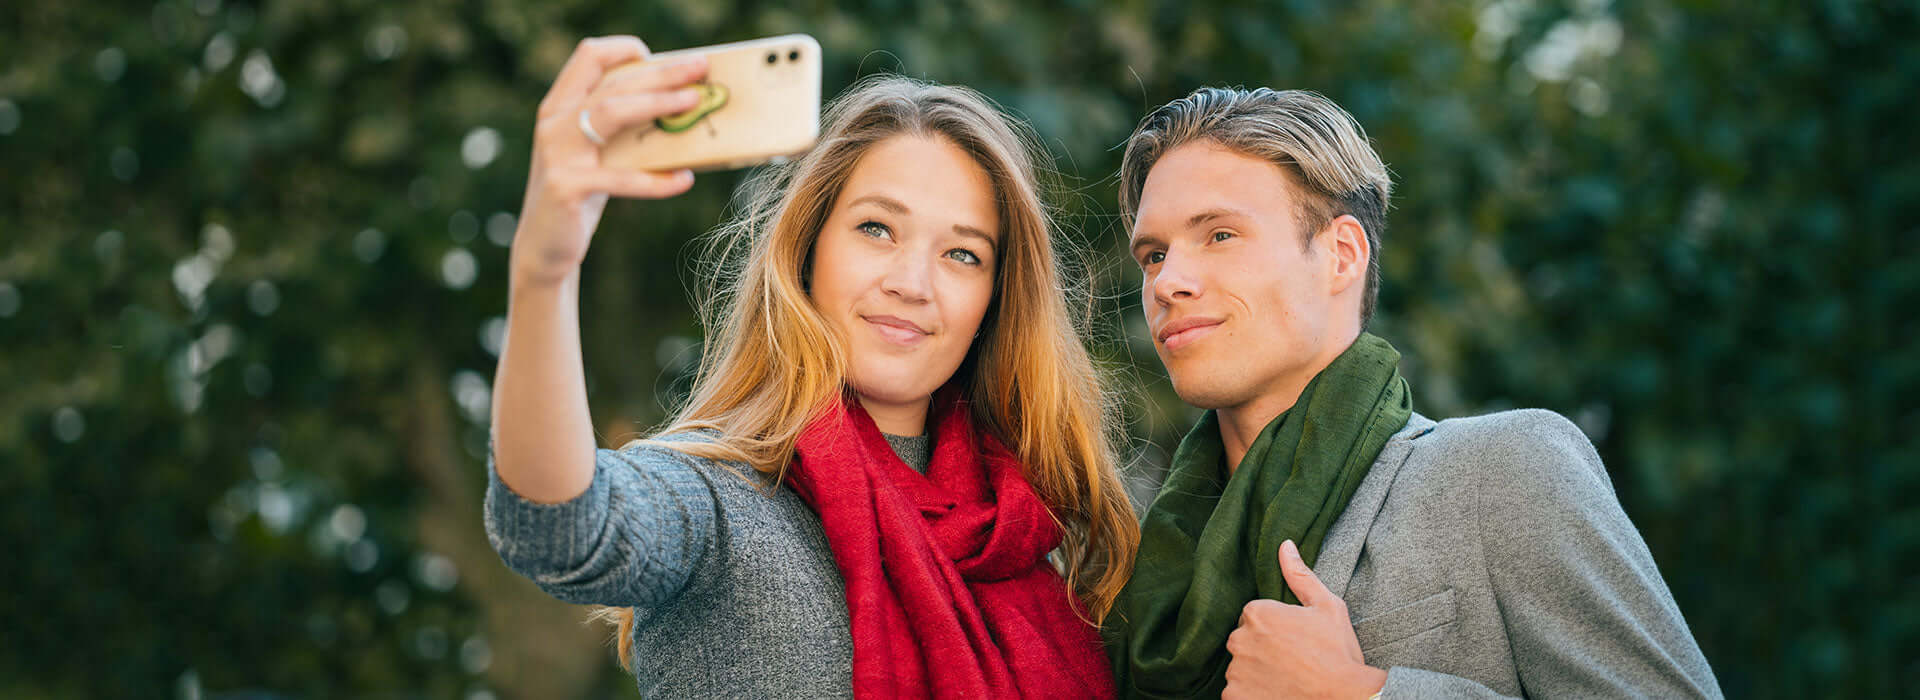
(909, 418)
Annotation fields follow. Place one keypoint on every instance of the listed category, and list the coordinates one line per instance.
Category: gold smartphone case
(759, 101)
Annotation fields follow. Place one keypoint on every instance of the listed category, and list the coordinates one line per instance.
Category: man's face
(1237, 305)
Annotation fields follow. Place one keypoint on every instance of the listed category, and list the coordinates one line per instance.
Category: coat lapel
(1340, 553)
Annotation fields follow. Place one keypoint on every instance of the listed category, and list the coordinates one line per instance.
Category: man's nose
(1175, 279)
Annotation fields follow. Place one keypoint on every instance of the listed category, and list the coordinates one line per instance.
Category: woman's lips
(896, 330)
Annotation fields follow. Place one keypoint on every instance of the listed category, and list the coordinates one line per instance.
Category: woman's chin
(894, 390)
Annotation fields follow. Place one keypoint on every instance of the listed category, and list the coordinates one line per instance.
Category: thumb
(1300, 578)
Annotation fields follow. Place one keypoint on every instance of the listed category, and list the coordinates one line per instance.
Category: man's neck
(1239, 425)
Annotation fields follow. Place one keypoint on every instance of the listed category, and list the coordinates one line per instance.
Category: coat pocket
(1404, 621)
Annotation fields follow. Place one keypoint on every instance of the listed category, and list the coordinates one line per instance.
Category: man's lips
(897, 330)
(1185, 331)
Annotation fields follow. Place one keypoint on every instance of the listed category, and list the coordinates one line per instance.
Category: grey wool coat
(1488, 556)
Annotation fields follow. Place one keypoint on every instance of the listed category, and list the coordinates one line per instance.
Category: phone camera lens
(772, 58)
(793, 55)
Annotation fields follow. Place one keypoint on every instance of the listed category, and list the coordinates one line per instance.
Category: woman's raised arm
(543, 435)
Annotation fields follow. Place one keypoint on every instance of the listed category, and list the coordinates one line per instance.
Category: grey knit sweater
(733, 587)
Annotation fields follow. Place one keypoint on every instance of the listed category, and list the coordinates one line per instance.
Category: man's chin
(1209, 392)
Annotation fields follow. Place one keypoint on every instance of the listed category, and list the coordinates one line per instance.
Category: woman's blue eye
(875, 229)
(964, 255)
(1219, 236)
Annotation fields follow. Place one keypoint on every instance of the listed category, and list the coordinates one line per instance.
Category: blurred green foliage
(252, 277)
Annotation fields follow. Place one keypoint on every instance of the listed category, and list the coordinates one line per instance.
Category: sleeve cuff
(1403, 682)
(534, 538)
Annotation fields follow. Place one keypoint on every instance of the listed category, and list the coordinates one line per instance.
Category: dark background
(252, 277)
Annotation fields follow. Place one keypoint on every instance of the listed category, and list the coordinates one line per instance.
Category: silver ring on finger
(586, 127)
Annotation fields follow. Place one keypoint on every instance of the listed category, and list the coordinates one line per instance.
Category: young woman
(894, 423)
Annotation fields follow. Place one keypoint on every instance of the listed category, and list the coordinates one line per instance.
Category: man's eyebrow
(1214, 213)
(1143, 240)
(882, 201)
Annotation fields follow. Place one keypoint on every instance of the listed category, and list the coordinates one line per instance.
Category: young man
(1474, 557)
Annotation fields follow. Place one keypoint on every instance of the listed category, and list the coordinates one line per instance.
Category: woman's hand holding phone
(567, 185)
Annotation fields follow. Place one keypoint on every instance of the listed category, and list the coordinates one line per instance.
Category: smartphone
(759, 102)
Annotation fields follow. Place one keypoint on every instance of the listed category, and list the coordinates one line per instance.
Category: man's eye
(1153, 258)
(875, 229)
(1219, 236)
(963, 255)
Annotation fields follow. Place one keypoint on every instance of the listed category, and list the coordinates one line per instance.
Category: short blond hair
(1313, 140)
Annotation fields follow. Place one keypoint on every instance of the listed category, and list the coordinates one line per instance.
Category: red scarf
(948, 586)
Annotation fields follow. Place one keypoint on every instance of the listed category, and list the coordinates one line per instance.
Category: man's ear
(1346, 240)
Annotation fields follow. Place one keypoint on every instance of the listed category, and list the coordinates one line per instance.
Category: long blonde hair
(774, 361)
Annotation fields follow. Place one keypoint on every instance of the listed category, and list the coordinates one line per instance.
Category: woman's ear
(806, 272)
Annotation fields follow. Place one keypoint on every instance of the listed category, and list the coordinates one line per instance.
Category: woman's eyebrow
(897, 207)
(882, 201)
(972, 232)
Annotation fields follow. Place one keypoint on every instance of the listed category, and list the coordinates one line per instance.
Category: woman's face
(905, 269)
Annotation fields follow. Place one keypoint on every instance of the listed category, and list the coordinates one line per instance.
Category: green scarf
(1208, 548)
